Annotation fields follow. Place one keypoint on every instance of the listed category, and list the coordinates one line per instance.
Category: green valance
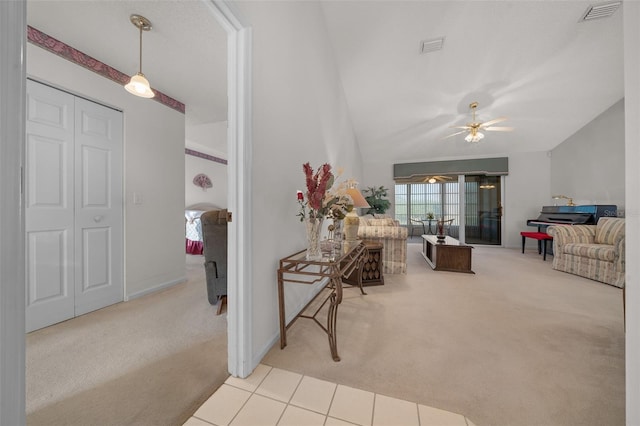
(416, 172)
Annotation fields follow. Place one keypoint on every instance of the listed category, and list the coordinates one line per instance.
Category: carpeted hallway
(151, 361)
(515, 344)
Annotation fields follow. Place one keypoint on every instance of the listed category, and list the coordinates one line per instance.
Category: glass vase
(314, 226)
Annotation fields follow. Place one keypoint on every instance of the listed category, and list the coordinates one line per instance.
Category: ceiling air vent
(604, 10)
(427, 46)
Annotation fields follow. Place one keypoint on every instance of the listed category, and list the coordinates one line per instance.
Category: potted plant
(376, 199)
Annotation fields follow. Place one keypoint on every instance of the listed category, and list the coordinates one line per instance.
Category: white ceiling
(530, 61)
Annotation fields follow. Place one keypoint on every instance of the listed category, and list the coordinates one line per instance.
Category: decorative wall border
(59, 48)
(205, 156)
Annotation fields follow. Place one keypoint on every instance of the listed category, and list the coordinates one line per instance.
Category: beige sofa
(591, 251)
(386, 230)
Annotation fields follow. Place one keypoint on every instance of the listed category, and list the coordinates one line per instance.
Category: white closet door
(49, 206)
(98, 199)
(74, 210)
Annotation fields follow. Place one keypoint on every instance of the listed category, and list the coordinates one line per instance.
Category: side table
(371, 271)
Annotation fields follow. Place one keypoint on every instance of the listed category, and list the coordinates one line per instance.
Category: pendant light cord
(140, 27)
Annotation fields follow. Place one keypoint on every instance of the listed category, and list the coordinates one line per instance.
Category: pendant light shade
(139, 85)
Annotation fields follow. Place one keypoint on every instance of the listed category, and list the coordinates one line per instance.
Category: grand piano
(572, 215)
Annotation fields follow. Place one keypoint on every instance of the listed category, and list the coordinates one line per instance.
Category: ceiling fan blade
(494, 121)
(499, 129)
(460, 127)
(454, 134)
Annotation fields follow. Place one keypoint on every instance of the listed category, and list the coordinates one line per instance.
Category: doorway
(483, 210)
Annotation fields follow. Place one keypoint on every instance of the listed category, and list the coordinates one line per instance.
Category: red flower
(317, 185)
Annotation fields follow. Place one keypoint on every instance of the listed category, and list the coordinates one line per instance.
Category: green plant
(430, 216)
(375, 198)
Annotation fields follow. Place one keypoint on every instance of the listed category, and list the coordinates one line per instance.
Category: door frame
(239, 300)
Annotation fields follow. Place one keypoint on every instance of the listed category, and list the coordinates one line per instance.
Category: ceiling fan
(473, 128)
(436, 178)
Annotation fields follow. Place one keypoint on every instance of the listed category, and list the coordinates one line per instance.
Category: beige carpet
(515, 344)
(150, 361)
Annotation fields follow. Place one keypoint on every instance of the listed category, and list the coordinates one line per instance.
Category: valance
(416, 172)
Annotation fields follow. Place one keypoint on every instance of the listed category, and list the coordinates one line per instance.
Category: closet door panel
(99, 221)
(49, 206)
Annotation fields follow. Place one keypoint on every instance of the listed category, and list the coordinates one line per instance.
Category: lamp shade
(358, 200)
(139, 86)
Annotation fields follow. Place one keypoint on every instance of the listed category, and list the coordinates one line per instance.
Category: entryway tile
(223, 405)
(194, 421)
(332, 421)
(352, 405)
(430, 416)
(314, 394)
(279, 384)
(392, 412)
(294, 416)
(252, 382)
(259, 411)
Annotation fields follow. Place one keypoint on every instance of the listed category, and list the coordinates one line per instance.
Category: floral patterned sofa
(591, 251)
(386, 230)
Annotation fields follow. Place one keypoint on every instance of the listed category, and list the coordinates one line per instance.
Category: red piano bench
(542, 238)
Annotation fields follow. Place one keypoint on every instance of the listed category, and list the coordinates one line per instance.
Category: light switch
(137, 198)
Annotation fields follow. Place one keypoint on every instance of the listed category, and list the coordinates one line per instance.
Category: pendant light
(139, 85)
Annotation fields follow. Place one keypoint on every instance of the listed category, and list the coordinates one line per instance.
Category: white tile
(252, 382)
(352, 405)
(223, 405)
(194, 421)
(314, 394)
(392, 412)
(279, 384)
(331, 421)
(259, 411)
(430, 416)
(294, 416)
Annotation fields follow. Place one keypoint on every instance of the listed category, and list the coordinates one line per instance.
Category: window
(416, 200)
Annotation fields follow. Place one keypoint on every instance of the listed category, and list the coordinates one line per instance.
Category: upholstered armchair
(214, 230)
(385, 230)
(591, 251)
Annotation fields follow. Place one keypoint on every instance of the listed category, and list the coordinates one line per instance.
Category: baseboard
(154, 289)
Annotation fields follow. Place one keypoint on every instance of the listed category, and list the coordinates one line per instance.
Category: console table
(297, 269)
(449, 255)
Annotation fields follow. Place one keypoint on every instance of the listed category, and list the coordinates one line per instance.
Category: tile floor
(271, 396)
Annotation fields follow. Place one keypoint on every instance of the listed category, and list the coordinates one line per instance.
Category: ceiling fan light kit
(139, 85)
(474, 128)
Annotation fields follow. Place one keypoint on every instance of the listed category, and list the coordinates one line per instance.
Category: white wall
(211, 139)
(154, 170)
(589, 165)
(12, 289)
(299, 115)
(526, 191)
(217, 172)
(632, 206)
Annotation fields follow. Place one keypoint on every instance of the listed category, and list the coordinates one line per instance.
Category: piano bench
(542, 238)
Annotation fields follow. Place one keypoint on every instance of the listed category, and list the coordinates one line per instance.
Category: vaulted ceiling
(530, 61)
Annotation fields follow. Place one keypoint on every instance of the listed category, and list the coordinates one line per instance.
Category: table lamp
(351, 220)
(569, 202)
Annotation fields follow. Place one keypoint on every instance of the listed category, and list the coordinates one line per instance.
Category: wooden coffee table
(449, 255)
